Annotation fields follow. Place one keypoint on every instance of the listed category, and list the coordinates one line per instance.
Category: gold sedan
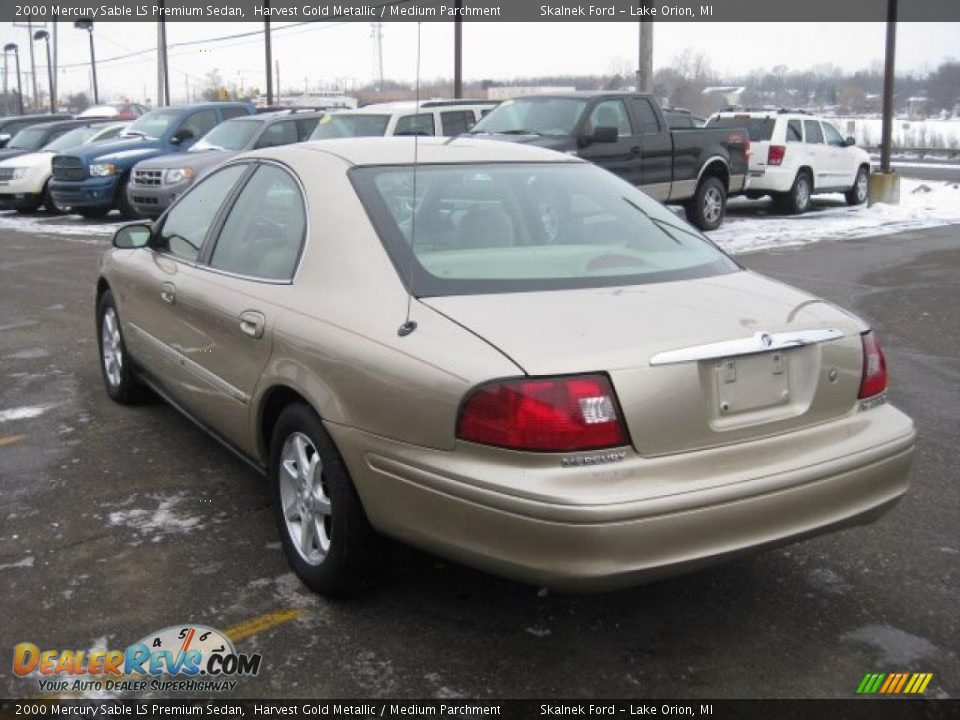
(500, 354)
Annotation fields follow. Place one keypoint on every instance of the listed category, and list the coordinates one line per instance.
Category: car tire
(708, 205)
(797, 201)
(857, 195)
(323, 528)
(93, 213)
(47, 201)
(116, 365)
(127, 209)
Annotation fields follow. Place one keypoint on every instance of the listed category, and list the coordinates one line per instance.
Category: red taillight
(874, 378)
(544, 414)
(775, 154)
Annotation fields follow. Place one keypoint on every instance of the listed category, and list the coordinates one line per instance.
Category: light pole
(268, 53)
(44, 35)
(87, 24)
(12, 47)
(458, 51)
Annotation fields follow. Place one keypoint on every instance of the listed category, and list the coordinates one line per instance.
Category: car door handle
(635, 150)
(252, 323)
(168, 293)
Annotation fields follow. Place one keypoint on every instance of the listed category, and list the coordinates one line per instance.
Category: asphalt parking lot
(117, 521)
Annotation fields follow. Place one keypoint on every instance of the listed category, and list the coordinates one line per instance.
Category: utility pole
(159, 70)
(645, 57)
(33, 65)
(278, 79)
(885, 186)
(163, 48)
(269, 53)
(87, 24)
(55, 66)
(376, 32)
(458, 51)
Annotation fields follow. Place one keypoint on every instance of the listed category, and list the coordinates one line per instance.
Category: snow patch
(76, 228)
(164, 519)
(27, 562)
(896, 647)
(23, 413)
(923, 204)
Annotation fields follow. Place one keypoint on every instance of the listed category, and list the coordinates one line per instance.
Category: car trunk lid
(687, 359)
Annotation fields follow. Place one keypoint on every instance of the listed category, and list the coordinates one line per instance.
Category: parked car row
(141, 168)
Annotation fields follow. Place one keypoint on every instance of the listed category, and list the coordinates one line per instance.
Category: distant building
(918, 108)
(727, 95)
(503, 92)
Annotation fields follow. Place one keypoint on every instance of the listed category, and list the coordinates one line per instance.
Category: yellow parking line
(11, 439)
(259, 624)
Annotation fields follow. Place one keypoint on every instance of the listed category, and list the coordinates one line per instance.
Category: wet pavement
(118, 521)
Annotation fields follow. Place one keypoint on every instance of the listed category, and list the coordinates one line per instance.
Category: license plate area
(751, 382)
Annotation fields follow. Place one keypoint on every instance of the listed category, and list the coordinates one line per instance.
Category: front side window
(306, 126)
(523, 227)
(234, 112)
(421, 124)
(534, 115)
(813, 132)
(358, 125)
(186, 225)
(610, 113)
(833, 135)
(264, 231)
(72, 139)
(200, 123)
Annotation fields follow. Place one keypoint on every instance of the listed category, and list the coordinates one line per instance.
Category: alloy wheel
(306, 505)
(112, 347)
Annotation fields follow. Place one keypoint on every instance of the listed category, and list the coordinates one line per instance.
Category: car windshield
(759, 128)
(353, 125)
(28, 138)
(229, 135)
(538, 116)
(525, 227)
(74, 138)
(154, 124)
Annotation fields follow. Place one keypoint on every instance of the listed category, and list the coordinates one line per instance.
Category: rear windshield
(74, 138)
(341, 126)
(29, 139)
(535, 116)
(526, 227)
(758, 128)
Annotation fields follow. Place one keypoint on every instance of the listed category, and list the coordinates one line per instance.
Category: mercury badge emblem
(766, 340)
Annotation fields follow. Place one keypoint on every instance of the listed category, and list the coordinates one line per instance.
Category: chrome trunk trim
(759, 342)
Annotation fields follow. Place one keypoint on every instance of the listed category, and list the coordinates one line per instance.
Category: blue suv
(93, 180)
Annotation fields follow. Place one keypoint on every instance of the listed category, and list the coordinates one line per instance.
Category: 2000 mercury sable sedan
(429, 351)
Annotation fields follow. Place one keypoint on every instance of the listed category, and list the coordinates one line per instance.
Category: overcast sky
(324, 54)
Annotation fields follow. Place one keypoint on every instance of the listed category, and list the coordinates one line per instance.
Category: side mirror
(131, 237)
(601, 134)
(181, 135)
(850, 141)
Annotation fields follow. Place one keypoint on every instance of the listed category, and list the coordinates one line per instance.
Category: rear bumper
(770, 178)
(89, 193)
(658, 525)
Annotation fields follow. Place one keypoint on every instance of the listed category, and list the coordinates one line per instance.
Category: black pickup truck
(627, 134)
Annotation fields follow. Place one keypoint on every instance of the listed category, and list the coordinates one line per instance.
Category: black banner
(478, 10)
(860, 709)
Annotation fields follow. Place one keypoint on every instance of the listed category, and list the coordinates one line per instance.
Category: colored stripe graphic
(894, 683)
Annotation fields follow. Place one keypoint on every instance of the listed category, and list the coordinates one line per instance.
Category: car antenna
(410, 325)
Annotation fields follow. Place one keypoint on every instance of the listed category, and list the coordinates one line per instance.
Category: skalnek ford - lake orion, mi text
(661, 11)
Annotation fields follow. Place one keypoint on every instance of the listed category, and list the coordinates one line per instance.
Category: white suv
(794, 155)
(433, 117)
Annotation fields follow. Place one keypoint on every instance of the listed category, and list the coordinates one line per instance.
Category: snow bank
(923, 204)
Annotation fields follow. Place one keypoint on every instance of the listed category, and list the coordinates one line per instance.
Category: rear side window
(813, 131)
(759, 128)
(188, 221)
(305, 126)
(610, 113)
(677, 120)
(264, 231)
(646, 116)
(455, 122)
(794, 131)
(415, 125)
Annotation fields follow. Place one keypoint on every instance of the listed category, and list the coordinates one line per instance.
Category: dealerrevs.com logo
(181, 658)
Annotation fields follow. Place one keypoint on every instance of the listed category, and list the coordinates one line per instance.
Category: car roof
(41, 118)
(411, 105)
(430, 150)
